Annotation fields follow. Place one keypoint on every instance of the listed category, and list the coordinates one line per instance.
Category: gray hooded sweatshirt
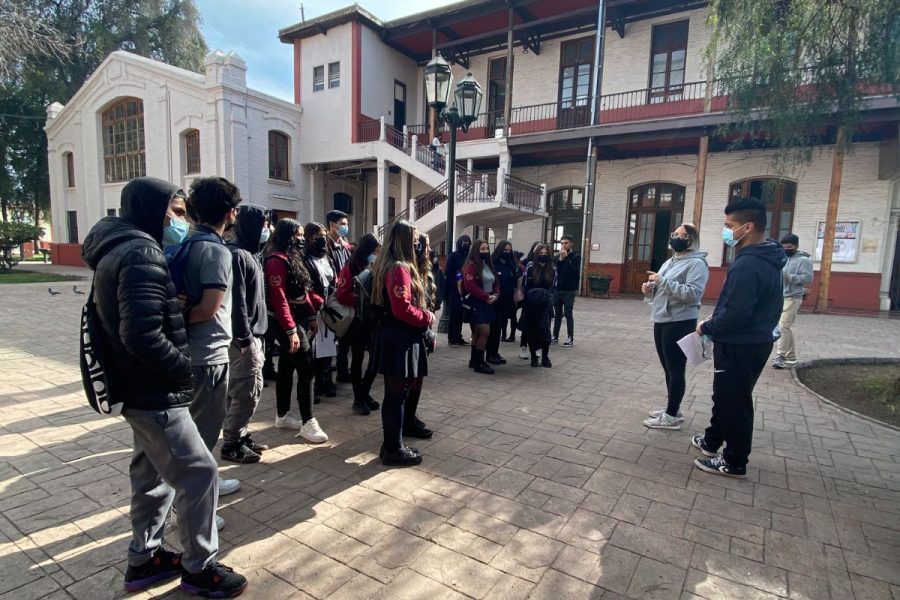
(677, 295)
(798, 274)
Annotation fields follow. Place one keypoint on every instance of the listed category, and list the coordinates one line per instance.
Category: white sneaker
(288, 421)
(569, 342)
(662, 421)
(523, 353)
(311, 432)
(657, 411)
(220, 523)
(228, 486)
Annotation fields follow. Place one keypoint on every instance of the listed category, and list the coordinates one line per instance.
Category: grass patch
(869, 389)
(17, 276)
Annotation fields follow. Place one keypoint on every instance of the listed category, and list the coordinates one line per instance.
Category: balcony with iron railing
(633, 105)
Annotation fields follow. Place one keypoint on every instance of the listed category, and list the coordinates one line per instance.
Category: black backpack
(177, 257)
(367, 311)
(93, 350)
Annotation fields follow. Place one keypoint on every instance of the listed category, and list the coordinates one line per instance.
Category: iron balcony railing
(522, 194)
(403, 214)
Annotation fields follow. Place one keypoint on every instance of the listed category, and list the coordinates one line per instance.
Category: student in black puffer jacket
(140, 318)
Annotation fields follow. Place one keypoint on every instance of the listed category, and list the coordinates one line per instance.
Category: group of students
(186, 290)
(486, 290)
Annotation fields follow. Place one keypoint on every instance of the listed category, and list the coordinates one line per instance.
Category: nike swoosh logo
(718, 370)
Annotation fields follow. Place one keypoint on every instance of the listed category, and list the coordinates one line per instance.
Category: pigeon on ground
(77, 291)
(53, 292)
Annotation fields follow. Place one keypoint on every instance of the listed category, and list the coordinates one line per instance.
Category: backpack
(336, 316)
(93, 350)
(367, 311)
(177, 257)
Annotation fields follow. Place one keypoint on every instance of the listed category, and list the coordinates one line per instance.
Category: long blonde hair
(423, 263)
(398, 250)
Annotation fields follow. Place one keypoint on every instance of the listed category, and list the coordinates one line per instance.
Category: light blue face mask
(372, 258)
(264, 236)
(728, 237)
(175, 232)
(343, 230)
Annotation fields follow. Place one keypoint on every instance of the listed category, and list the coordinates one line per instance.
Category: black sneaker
(404, 457)
(360, 408)
(269, 373)
(372, 403)
(410, 448)
(554, 340)
(329, 390)
(418, 430)
(699, 442)
(239, 453)
(496, 360)
(257, 447)
(535, 362)
(545, 362)
(163, 565)
(344, 378)
(215, 581)
(720, 466)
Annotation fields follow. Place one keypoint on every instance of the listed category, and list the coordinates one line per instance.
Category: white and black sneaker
(570, 341)
(699, 443)
(656, 411)
(663, 421)
(720, 466)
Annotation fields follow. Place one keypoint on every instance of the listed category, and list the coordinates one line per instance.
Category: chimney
(226, 68)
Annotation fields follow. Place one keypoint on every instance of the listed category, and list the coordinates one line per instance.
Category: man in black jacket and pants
(741, 328)
(248, 325)
(568, 274)
(149, 369)
(452, 274)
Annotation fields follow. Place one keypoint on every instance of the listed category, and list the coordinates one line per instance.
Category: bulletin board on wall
(846, 241)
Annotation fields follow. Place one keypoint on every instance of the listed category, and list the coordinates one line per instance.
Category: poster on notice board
(846, 241)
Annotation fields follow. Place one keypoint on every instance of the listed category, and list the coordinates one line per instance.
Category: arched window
(279, 156)
(191, 151)
(123, 140)
(69, 169)
(565, 208)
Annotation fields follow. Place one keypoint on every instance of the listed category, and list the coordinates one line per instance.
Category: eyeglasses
(674, 236)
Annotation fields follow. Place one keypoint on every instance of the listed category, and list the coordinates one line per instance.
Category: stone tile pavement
(539, 483)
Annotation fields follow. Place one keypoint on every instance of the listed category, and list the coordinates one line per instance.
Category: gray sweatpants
(170, 464)
(208, 405)
(245, 386)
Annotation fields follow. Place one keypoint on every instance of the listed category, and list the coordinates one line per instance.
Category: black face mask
(791, 252)
(318, 246)
(506, 255)
(679, 244)
(484, 256)
(465, 249)
(542, 260)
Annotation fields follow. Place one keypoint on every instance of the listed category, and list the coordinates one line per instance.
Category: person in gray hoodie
(797, 275)
(674, 295)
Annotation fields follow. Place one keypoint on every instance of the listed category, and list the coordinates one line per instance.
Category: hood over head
(770, 251)
(463, 239)
(145, 201)
(248, 227)
(108, 233)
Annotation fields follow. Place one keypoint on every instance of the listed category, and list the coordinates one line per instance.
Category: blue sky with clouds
(251, 30)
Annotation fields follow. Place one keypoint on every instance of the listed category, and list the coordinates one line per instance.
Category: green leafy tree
(799, 73)
(165, 30)
(12, 235)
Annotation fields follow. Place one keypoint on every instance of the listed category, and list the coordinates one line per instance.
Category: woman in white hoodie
(674, 295)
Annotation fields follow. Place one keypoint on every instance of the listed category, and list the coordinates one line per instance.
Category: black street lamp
(463, 112)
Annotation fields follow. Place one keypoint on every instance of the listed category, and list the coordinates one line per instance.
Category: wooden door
(654, 211)
(575, 73)
(399, 104)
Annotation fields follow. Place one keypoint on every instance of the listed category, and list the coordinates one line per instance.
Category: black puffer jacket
(136, 302)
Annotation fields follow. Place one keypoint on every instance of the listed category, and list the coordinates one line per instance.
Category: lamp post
(463, 112)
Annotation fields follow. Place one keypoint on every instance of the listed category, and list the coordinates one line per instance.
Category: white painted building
(135, 116)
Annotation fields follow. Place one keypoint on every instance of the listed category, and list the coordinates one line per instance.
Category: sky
(251, 30)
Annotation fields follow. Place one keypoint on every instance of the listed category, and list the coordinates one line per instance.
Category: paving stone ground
(538, 483)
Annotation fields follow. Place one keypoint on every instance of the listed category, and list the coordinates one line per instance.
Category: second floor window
(334, 75)
(667, 60)
(576, 60)
(192, 151)
(70, 169)
(318, 78)
(279, 156)
(123, 140)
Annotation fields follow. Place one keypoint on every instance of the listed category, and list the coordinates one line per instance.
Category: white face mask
(264, 236)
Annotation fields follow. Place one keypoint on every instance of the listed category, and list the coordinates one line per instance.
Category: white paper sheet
(324, 344)
(692, 346)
